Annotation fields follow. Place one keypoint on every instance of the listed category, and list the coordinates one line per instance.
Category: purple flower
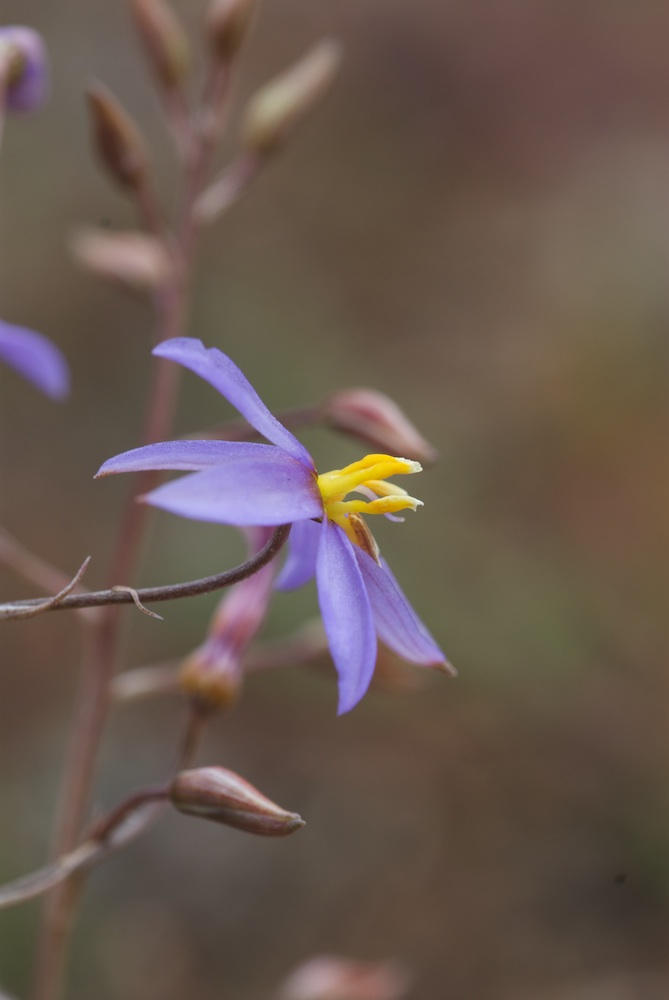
(28, 84)
(243, 483)
(35, 358)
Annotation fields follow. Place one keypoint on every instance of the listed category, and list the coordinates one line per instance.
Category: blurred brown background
(474, 222)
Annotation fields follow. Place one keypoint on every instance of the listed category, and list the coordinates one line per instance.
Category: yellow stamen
(384, 505)
(336, 484)
(385, 489)
(370, 474)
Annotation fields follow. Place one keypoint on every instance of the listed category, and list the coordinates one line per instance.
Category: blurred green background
(475, 223)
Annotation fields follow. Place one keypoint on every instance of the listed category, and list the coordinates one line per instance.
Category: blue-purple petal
(397, 624)
(221, 372)
(276, 490)
(347, 615)
(300, 564)
(185, 456)
(30, 90)
(36, 358)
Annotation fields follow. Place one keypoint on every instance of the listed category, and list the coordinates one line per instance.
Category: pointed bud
(118, 142)
(222, 796)
(24, 68)
(213, 675)
(278, 107)
(375, 419)
(329, 977)
(214, 672)
(227, 24)
(164, 40)
(132, 259)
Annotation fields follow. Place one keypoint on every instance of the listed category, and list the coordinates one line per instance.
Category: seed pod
(164, 40)
(117, 140)
(224, 797)
(283, 102)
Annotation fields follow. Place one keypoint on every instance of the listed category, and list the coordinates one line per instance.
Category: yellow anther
(385, 489)
(336, 484)
(367, 476)
(384, 505)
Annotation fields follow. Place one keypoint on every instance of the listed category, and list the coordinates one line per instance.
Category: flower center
(367, 477)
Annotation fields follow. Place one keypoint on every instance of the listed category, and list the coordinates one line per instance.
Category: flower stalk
(166, 48)
(146, 595)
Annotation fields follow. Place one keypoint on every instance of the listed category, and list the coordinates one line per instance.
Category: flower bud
(227, 24)
(224, 797)
(117, 139)
(164, 40)
(214, 672)
(375, 419)
(24, 66)
(134, 260)
(329, 977)
(278, 106)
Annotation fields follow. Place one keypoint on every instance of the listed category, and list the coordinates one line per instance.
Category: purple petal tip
(30, 89)
(36, 358)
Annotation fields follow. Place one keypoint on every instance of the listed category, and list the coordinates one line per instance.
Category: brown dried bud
(164, 40)
(227, 24)
(375, 419)
(278, 106)
(132, 259)
(117, 139)
(222, 796)
(329, 977)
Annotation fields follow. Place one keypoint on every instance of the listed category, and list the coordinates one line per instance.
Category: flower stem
(101, 651)
(118, 595)
(98, 843)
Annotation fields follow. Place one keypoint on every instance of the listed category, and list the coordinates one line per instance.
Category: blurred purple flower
(35, 358)
(28, 88)
(215, 670)
(243, 483)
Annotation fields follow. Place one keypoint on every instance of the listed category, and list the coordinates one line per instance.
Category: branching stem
(101, 654)
(147, 595)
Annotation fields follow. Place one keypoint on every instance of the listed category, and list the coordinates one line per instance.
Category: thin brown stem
(30, 566)
(24, 562)
(146, 595)
(102, 649)
(306, 646)
(145, 682)
(149, 211)
(95, 845)
(228, 188)
(198, 716)
(127, 821)
(197, 147)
